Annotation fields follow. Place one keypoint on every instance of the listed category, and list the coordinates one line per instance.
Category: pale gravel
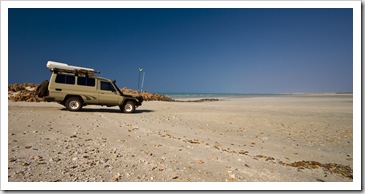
(242, 139)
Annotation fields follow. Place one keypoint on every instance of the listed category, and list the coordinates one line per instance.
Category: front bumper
(140, 100)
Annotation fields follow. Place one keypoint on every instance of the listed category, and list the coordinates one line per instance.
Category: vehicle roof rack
(63, 67)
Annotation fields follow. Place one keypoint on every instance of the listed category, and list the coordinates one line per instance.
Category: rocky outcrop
(23, 92)
(27, 92)
(148, 96)
(199, 100)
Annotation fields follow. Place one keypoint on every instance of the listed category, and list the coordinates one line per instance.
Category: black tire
(73, 104)
(128, 107)
(42, 90)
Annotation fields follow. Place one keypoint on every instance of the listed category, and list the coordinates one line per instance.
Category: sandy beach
(294, 138)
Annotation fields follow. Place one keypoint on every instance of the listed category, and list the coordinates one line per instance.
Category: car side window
(86, 81)
(65, 79)
(106, 86)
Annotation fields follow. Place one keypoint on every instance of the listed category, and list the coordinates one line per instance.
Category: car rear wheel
(73, 104)
(128, 107)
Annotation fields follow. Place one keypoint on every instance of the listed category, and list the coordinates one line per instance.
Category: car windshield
(115, 85)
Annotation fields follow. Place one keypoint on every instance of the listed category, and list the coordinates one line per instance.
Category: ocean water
(195, 96)
(185, 96)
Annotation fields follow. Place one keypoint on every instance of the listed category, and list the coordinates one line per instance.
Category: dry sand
(259, 139)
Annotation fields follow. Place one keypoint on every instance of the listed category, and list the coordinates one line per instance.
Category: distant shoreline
(26, 92)
(196, 96)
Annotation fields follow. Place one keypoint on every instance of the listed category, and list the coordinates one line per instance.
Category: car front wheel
(128, 107)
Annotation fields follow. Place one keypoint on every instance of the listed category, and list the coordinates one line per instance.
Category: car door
(107, 94)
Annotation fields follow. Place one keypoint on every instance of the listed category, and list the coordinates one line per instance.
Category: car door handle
(58, 89)
(101, 92)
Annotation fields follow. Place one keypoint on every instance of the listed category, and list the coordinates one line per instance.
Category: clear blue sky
(190, 50)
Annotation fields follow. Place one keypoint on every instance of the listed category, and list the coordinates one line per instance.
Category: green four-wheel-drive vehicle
(75, 87)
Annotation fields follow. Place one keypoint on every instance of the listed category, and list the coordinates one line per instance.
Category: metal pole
(139, 78)
(142, 81)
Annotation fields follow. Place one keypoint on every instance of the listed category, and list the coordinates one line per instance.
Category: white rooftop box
(51, 65)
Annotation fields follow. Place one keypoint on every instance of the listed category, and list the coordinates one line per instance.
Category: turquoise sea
(239, 95)
(216, 95)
